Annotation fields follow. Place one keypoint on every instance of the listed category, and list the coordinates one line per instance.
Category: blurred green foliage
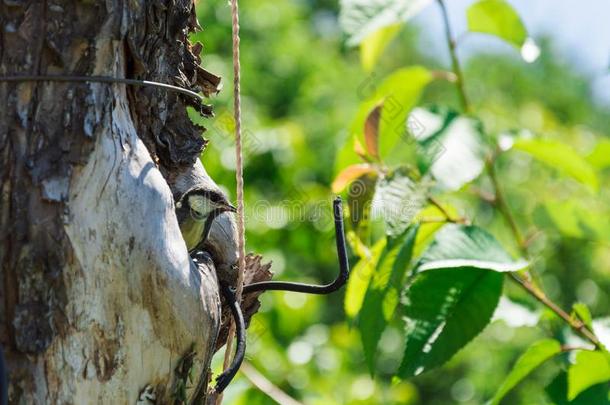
(302, 87)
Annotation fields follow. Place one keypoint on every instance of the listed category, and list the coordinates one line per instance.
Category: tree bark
(100, 302)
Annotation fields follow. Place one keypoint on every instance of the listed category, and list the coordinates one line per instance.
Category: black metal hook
(240, 330)
(310, 288)
(225, 378)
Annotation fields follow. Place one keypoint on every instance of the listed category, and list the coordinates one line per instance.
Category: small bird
(196, 210)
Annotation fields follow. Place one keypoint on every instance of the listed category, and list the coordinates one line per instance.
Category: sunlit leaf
(373, 45)
(456, 288)
(574, 219)
(444, 310)
(397, 200)
(558, 393)
(428, 230)
(383, 292)
(600, 156)
(583, 313)
(399, 92)
(590, 368)
(497, 17)
(537, 354)
(347, 155)
(359, 280)
(371, 131)
(467, 246)
(350, 174)
(361, 18)
(561, 157)
(451, 147)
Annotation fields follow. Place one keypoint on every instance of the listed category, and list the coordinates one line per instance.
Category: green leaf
(399, 93)
(497, 17)
(346, 155)
(600, 156)
(428, 230)
(574, 219)
(582, 311)
(373, 45)
(467, 246)
(361, 18)
(451, 147)
(444, 310)
(397, 200)
(561, 157)
(359, 196)
(350, 174)
(537, 354)
(590, 368)
(558, 393)
(383, 292)
(359, 280)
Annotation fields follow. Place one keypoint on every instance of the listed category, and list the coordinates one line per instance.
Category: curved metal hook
(223, 380)
(310, 288)
(240, 327)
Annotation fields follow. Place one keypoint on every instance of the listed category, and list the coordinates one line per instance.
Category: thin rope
(239, 177)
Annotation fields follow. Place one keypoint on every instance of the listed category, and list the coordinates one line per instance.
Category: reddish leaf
(371, 131)
(359, 149)
(350, 174)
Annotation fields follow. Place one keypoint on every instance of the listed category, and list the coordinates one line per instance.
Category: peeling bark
(100, 302)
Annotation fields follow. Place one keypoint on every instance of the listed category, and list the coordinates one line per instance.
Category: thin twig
(502, 205)
(577, 325)
(264, 385)
(568, 348)
(459, 82)
(438, 205)
(484, 195)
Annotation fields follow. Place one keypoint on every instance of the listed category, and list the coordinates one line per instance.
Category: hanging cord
(239, 177)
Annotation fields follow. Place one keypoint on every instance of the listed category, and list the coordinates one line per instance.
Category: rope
(239, 177)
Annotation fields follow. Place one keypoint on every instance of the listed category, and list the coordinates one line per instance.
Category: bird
(196, 210)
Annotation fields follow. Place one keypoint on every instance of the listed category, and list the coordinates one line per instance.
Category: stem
(442, 209)
(577, 325)
(266, 386)
(459, 80)
(502, 204)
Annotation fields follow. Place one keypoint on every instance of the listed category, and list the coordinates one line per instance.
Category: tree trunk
(100, 302)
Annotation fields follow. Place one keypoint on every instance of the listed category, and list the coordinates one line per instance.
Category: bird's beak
(229, 207)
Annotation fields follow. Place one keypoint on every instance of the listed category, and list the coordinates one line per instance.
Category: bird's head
(201, 203)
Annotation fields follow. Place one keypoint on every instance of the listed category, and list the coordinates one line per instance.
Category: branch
(459, 77)
(264, 385)
(577, 325)
(502, 205)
